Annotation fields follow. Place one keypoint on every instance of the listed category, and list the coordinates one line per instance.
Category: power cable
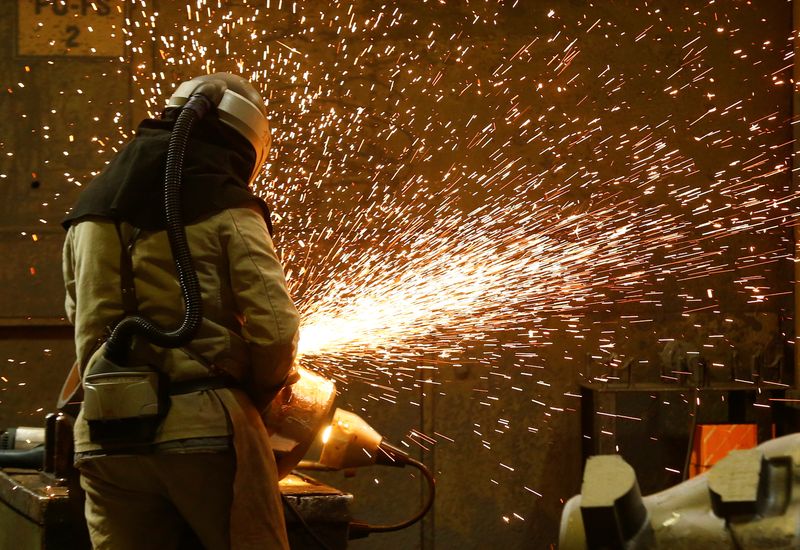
(359, 529)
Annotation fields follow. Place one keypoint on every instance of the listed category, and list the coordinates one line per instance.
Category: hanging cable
(359, 529)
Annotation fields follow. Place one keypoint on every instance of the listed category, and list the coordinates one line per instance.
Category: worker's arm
(270, 320)
(68, 271)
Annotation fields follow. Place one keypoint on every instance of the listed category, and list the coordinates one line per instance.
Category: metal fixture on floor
(748, 500)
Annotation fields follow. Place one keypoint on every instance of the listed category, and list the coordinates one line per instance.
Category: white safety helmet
(241, 108)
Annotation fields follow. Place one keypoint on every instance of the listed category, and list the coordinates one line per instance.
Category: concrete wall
(631, 107)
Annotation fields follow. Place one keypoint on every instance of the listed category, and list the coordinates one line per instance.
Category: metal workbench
(36, 513)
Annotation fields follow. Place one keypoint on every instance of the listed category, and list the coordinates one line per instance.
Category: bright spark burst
(428, 194)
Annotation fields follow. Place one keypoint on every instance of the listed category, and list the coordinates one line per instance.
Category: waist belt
(202, 384)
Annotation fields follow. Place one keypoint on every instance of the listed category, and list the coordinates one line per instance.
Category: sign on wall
(70, 27)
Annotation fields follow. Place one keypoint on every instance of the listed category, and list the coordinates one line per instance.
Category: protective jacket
(249, 331)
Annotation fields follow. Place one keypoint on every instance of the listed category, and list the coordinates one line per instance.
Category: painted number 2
(72, 34)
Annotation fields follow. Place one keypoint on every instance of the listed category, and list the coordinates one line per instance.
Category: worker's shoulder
(246, 214)
(88, 222)
(91, 228)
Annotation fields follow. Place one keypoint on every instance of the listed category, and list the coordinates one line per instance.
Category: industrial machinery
(750, 500)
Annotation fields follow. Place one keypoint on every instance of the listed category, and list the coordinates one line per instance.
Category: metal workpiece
(611, 505)
(740, 484)
(35, 513)
(747, 501)
(323, 509)
(766, 513)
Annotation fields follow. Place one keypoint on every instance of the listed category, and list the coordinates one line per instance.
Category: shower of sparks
(438, 206)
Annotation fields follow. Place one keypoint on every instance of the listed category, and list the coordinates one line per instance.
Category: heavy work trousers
(159, 501)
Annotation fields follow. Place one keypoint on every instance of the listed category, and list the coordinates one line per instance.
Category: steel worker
(207, 475)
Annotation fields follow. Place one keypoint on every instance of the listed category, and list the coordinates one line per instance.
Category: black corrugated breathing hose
(119, 343)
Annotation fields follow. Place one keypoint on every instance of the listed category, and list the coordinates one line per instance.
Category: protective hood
(217, 169)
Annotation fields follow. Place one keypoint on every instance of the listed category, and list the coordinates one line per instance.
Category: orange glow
(326, 434)
(712, 442)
